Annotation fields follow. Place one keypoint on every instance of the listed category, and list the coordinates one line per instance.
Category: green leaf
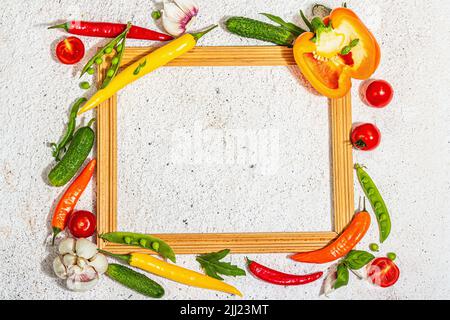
(342, 276)
(355, 260)
(296, 30)
(306, 21)
(215, 255)
(212, 265)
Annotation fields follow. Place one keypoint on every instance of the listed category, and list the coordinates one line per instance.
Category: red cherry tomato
(366, 137)
(383, 272)
(378, 93)
(82, 224)
(70, 50)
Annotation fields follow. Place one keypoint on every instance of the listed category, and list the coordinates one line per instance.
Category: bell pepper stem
(64, 26)
(198, 35)
(124, 257)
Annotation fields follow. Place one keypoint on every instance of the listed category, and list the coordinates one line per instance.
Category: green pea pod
(99, 55)
(377, 202)
(141, 240)
(70, 129)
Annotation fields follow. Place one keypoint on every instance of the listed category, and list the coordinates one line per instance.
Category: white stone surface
(411, 167)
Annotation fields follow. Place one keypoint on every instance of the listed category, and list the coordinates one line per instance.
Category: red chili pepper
(279, 278)
(70, 198)
(110, 30)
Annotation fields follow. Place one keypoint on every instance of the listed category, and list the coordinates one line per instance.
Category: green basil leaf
(213, 267)
(342, 276)
(355, 260)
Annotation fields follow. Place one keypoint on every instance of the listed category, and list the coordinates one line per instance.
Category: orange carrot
(342, 245)
(70, 198)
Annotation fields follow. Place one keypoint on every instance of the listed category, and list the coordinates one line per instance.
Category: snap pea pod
(57, 148)
(141, 240)
(98, 57)
(377, 202)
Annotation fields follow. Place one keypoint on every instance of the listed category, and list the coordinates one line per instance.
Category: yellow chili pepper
(145, 65)
(173, 272)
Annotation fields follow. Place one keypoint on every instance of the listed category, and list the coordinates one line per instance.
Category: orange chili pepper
(70, 198)
(321, 56)
(342, 245)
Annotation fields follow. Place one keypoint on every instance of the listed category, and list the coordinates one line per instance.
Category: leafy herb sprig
(212, 265)
(355, 260)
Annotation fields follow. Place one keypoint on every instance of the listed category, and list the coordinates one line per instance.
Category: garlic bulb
(178, 15)
(79, 264)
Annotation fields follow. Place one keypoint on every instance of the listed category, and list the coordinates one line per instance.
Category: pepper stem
(64, 26)
(198, 35)
(56, 231)
(123, 257)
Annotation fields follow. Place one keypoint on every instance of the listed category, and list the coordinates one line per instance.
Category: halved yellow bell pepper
(322, 56)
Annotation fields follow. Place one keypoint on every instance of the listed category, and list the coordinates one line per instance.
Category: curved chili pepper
(70, 198)
(110, 30)
(279, 278)
(57, 148)
(342, 246)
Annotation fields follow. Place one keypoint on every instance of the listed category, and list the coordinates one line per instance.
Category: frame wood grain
(341, 154)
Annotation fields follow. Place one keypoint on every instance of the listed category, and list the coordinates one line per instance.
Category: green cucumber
(79, 149)
(135, 280)
(249, 28)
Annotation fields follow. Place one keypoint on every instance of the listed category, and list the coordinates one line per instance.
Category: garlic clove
(59, 268)
(85, 249)
(69, 260)
(99, 263)
(67, 246)
(82, 279)
(82, 262)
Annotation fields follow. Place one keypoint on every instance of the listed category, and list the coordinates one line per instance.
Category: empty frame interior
(340, 154)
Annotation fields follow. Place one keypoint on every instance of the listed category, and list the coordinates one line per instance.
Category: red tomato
(366, 137)
(378, 93)
(82, 224)
(70, 50)
(383, 272)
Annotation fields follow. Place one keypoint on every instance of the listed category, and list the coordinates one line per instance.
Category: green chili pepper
(377, 202)
(98, 57)
(57, 148)
(141, 240)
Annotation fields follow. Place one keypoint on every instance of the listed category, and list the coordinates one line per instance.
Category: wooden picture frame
(341, 162)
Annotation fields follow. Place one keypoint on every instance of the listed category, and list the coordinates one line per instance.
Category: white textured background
(411, 167)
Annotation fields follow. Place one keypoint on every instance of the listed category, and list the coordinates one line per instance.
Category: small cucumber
(135, 280)
(249, 28)
(79, 149)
